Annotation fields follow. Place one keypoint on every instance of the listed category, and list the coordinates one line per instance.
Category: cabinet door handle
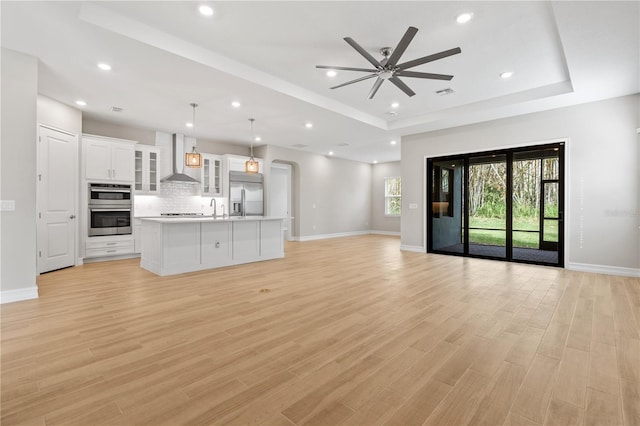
(111, 244)
(73, 216)
(114, 173)
(111, 251)
(109, 172)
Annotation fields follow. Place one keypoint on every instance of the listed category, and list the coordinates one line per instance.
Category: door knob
(73, 216)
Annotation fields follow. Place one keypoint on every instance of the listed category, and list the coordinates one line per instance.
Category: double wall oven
(109, 209)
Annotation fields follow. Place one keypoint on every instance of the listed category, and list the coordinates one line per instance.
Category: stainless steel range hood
(177, 159)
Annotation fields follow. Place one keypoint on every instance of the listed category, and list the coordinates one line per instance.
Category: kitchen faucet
(213, 203)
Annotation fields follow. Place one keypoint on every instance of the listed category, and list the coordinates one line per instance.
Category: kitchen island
(185, 244)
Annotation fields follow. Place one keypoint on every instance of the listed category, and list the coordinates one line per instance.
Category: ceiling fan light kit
(389, 69)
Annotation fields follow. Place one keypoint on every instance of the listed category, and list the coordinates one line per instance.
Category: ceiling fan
(389, 69)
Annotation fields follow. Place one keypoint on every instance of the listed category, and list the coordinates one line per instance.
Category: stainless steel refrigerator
(245, 194)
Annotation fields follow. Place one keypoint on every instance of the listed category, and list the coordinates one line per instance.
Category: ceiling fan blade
(373, 61)
(429, 58)
(375, 87)
(415, 74)
(328, 67)
(366, 77)
(401, 47)
(400, 85)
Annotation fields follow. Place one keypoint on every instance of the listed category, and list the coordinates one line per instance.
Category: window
(392, 195)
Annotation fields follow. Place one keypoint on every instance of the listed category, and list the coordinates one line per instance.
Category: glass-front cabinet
(211, 175)
(146, 169)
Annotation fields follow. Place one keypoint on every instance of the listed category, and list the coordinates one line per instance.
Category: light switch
(413, 205)
(7, 205)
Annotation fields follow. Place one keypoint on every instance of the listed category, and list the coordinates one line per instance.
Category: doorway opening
(505, 205)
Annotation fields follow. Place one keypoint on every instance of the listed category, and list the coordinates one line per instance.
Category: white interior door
(57, 169)
(280, 195)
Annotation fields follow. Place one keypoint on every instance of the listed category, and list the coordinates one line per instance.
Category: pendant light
(193, 159)
(251, 166)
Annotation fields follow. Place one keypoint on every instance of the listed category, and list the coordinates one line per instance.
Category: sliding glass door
(504, 204)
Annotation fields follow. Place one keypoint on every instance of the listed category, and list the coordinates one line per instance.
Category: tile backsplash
(174, 197)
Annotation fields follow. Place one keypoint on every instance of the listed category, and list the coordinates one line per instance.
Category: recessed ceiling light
(393, 142)
(258, 138)
(104, 67)
(463, 18)
(395, 105)
(331, 73)
(375, 161)
(81, 103)
(189, 124)
(235, 104)
(308, 125)
(330, 152)
(206, 10)
(506, 74)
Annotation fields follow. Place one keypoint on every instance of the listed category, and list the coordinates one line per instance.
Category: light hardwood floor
(341, 331)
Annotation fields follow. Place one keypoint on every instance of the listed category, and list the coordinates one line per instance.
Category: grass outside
(520, 239)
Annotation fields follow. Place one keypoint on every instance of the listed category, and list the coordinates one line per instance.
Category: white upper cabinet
(211, 177)
(108, 159)
(235, 163)
(147, 163)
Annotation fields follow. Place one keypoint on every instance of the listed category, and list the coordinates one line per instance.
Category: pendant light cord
(195, 141)
(252, 137)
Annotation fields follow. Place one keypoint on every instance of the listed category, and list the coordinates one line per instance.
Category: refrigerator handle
(242, 202)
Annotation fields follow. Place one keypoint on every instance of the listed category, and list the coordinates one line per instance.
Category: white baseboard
(19, 294)
(336, 235)
(395, 234)
(417, 249)
(603, 269)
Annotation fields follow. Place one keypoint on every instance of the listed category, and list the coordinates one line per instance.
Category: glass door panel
(206, 169)
(446, 206)
(488, 205)
(153, 171)
(138, 171)
(525, 216)
(549, 235)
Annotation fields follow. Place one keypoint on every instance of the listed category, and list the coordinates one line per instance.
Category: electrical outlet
(313, 227)
(413, 205)
(7, 205)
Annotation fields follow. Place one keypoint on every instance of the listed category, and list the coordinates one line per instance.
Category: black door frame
(509, 153)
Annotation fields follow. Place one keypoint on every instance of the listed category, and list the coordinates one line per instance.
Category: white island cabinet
(186, 244)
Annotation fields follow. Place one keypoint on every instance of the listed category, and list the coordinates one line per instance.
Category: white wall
(380, 222)
(18, 175)
(331, 195)
(602, 181)
(112, 130)
(58, 115)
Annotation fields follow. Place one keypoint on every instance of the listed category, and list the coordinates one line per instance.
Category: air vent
(391, 113)
(343, 144)
(446, 91)
(116, 109)
(299, 145)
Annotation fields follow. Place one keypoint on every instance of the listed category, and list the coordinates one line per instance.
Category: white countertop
(191, 219)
